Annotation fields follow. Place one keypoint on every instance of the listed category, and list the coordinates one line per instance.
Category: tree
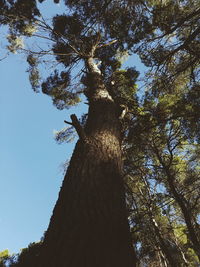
(171, 107)
(89, 218)
(166, 173)
(89, 225)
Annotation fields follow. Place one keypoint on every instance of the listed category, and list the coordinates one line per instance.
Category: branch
(59, 36)
(4, 57)
(110, 43)
(179, 24)
(187, 41)
(44, 52)
(76, 124)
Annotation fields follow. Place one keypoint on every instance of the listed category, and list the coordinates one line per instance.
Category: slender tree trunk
(166, 253)
(163, 245)
(89, 226)
(162, 259)
(185, 262)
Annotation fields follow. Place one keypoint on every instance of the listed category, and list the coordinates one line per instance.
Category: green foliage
(56, 86)
(4, 255)
(66, 134)
(123, 87)
(15, 43)
(67, 25)
(33, 71)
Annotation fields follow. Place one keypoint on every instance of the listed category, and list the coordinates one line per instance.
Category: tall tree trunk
(89, 226)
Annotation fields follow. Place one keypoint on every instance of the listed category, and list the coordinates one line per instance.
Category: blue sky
(30, 159)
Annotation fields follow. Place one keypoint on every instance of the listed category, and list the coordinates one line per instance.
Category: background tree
(163, 170)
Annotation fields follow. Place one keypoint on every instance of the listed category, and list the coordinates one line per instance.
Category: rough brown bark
(89, 226)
